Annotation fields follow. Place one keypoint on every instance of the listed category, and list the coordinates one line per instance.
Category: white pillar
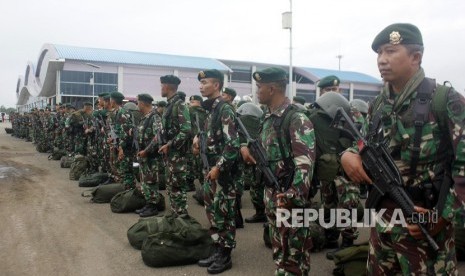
(58, 86)
(351, 91)
(253, 89)
(120, 78)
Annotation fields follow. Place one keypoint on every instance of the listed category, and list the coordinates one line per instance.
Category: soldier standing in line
(228, 95)
(122, 124)
(176, 130)
(147, 156)
(222, 143)
(329, 84)
(292, 161)
(433, 176)
(194, 163)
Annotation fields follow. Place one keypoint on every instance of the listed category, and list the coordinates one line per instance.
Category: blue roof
(344, 76)
(139, 58)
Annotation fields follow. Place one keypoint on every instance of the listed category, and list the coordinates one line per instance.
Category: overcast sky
(248, 30)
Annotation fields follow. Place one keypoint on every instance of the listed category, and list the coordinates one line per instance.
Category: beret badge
(202, 74)
(395, 38)
(257, 77)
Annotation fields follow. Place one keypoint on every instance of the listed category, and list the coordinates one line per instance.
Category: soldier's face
(264, 93)
(208, 87)
(195, 103)
(396, 64)
(164, 90)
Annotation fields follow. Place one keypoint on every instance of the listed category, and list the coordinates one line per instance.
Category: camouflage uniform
(78, 120)
(392, 249)
(220, 195)
(194, 163)
(147, 130)
(123, 125)
(177, 130)
(291, 245)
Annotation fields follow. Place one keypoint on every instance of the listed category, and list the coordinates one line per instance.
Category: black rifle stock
(381, 168)
(259, 154)
(202, 144)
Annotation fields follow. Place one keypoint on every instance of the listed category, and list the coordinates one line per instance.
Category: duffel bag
(66, 161)
(93, 180)
(103, 193)
(127, 201)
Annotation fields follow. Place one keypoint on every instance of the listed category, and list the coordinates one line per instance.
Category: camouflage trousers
(220, 207)
(148, 181)
(80, 144)
(291, 245)
(125, 171)
(398, 253)
(342, 194)
(58, 142)
(176, 186)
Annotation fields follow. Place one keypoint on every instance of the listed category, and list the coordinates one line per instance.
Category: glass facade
(78, 83)
(242, 74)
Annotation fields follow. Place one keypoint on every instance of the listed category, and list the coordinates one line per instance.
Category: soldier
(427, 173)
(176, 131)
(146, 132)
(288, 138)
(329, 83)
(222, 143)
(228, 95)
(194, 163)
(122, 124)
(298, 100)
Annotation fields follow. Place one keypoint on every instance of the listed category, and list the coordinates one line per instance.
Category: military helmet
(250, 109)
(330, 101)
(301, 107)
(359, 105)
(131, 106)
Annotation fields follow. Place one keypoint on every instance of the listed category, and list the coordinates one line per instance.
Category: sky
(246, 30)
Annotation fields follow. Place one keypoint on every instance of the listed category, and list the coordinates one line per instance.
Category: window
(241, 74)
(79, 83)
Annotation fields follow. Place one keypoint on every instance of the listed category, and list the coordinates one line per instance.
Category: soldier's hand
(247, 156)
(164, 149)
(214, 173)
(433, 229)
(283, 200)
(142, 154)
(352, 165)
(120, 154)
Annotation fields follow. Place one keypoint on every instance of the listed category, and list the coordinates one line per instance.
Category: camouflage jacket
(398, 129)
(176, 122)
(123, 126)
(301, 150)
(202, 115)
(222, 139)
(147, 130)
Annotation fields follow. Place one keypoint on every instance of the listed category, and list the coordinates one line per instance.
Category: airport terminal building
(69, 74)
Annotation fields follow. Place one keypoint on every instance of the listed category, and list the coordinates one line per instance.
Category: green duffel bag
(185, 246)
(103, 193)
(66, 161)
(56, 154)
(93, 180)
(351, 260)
(127, 201)
(151, 225)
(78, 167)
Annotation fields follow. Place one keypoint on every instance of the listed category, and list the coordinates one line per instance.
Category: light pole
(287, 24)
(93, 81)
(339, 57)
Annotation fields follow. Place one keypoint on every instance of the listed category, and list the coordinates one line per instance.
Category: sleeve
(303, 147)
(125, 125)
(231, 139)
(185, 127)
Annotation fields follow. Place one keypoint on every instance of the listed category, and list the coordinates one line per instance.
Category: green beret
(88, 103)
(96, 113)
(146, 98)
(230, 91)
(117, 96)
(104, 95)
(72, 106)
(196, 98)
(170, 79)
(271, 74)
(212, 73)
(41, 109)
(182, 95)
(299, 99)
(329, 81)
(161, 104)
(398, 33)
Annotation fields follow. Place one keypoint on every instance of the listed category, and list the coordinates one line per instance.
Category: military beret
(398, 33)
(299, 99)
(72, 106)
(170, 79)
(182, 95)
(88, 103)
(41, 109)
(329, 81)
(96, 113)
(161, 104)
(104, 94)
(230, 91)
(117, 96)
(196, 98)
(211, 73)
(271, 74)
(146, 98)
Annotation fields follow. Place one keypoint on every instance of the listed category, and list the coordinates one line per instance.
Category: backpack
(127, 201)
(57, 154)
(92, 180)
(351, 260)
(66, 161)
(103, 193)
(42, 147)
(78, 167)
(185, 243)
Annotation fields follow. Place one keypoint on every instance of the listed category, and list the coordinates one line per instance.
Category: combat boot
(258, 217)
(213, 256)
(150, 211)
(141, 210)
(222, 263)
(346, 242)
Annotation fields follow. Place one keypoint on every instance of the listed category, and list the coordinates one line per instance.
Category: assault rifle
(203, 144)
(381, 168)
(161, 141)
(259, 154)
